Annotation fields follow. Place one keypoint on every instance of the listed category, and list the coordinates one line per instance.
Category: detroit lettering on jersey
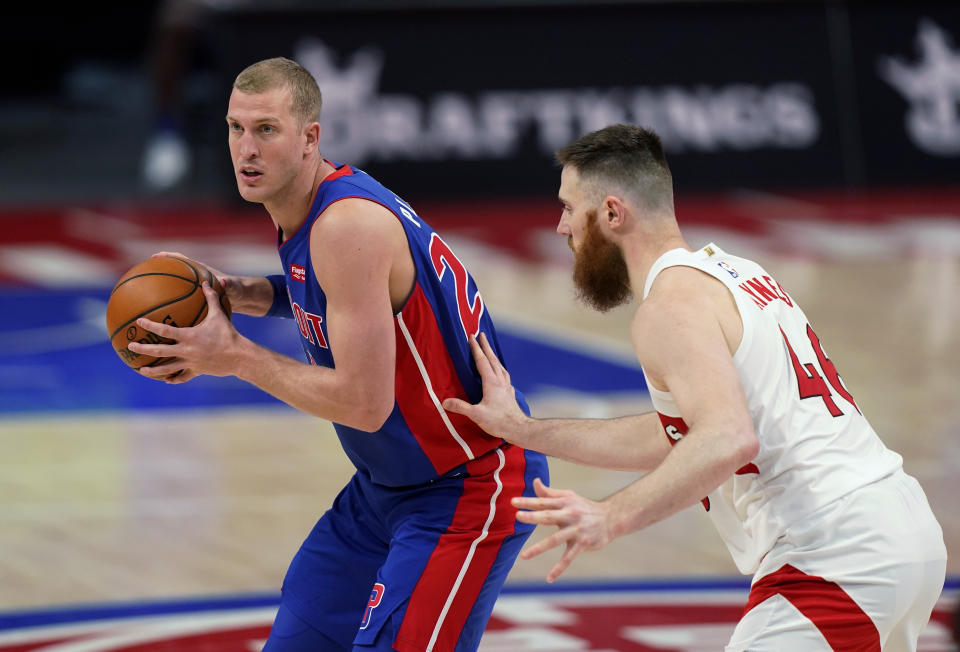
(419, 440)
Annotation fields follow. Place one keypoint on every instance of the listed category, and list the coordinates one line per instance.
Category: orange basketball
(163, 289)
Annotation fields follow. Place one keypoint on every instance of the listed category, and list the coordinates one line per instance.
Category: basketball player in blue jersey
(414, 550)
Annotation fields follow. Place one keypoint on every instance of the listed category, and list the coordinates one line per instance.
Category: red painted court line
(586, 620)
(903, 222)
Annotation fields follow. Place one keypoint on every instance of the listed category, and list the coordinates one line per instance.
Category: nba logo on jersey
(376, 595)
(729, 270)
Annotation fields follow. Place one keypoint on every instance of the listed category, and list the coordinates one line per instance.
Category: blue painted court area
(55, 356)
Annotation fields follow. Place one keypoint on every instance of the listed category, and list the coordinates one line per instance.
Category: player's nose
(248, 147)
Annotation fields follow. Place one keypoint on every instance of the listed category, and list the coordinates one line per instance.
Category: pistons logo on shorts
(376, 595)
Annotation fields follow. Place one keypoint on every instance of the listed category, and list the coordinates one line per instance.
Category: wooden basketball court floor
(133, 505)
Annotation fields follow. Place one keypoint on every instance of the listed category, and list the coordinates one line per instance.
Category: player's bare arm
(249, 295)
(353, 246)
(630, 443)
(680, 338)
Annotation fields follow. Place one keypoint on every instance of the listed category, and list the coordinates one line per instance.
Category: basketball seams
(196, 285)
(156, 307)
(195, 280)
(127, 280)
(175, 307)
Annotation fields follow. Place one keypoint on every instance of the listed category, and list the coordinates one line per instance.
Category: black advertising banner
(760, 95)
(907, 58)
(475, 101)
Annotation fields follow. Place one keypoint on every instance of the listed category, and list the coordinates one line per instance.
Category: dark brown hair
(626, 156)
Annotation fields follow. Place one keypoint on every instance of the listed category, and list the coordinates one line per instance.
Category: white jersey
(815, 445)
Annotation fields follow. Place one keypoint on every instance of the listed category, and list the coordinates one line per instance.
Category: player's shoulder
(355, 234)
(680, 294)
(353, 217)
(677, 285)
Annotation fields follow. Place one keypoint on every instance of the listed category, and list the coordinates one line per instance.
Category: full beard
(599, 270)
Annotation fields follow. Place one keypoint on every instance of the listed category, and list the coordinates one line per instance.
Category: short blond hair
(280, 72)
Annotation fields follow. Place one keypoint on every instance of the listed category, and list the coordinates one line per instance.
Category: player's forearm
(253, 295)
(321, 391)
(694, 468)
(631, 443)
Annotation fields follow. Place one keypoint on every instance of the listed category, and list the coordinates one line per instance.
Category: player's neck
(640, 253)
(291, 211)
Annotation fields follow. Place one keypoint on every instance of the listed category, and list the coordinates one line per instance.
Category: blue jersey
(419, 440)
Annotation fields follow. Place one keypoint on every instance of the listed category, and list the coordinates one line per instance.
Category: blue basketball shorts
(408, 568)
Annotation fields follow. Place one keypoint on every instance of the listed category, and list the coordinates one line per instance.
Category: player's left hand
(196, 350)
(583, 524)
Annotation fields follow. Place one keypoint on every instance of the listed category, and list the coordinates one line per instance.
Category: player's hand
(196, 350)
(498, 412)
(583, 524)
(232, 285)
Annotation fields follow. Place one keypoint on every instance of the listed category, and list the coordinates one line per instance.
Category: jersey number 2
(470, 311)
(810, 380)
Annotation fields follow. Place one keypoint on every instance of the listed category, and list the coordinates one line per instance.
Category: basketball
(162, 289)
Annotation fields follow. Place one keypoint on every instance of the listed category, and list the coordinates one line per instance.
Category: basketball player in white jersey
(751, 419)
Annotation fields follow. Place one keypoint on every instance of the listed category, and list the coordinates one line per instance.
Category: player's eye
(234, 126)
(267, 129)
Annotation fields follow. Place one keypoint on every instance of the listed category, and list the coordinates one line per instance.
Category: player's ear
(312, 133)
(613, 211)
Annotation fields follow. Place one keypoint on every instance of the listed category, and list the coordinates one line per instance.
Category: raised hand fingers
(459, 406)
(565, 535)
(572, 550)
(556, 517)
(483, 364)
(537, 504)
(492, 358)
(544, 491)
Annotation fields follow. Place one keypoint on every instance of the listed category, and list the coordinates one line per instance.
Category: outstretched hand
(196, 350)
(498, 412)
(583, 524)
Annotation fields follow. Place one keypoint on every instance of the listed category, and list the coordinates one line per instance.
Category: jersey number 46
(811, 380)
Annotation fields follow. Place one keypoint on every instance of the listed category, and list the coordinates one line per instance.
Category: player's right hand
(207, 348)
(582, 524)
(232, 285)
(498, 412)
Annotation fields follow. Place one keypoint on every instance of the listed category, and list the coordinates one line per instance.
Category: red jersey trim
(342, 171)
(425, 375)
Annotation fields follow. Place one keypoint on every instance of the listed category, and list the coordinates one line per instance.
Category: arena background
(821, 138)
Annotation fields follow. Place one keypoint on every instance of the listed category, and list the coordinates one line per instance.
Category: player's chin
(250, 191)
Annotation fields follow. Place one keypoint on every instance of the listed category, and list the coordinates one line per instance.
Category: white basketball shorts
(860, 574)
